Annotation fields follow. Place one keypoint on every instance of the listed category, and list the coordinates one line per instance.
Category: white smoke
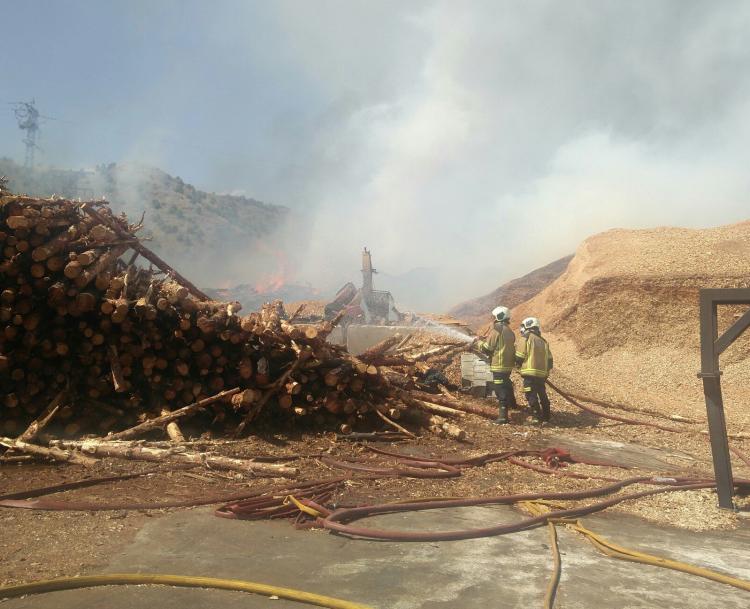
(525, 128)
(476, 140)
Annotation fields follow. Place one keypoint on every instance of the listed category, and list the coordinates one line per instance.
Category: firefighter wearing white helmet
(501, 346)
(534, 359)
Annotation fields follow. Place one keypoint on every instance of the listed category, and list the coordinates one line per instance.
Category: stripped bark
(54, 453)
(138, 452)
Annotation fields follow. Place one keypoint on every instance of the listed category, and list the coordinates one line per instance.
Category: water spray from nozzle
(444, 330)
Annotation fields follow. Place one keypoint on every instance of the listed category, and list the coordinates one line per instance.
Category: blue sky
(428, 131)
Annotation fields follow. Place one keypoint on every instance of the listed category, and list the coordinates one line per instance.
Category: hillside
(623, 317)
(475, 312)
(210, 234)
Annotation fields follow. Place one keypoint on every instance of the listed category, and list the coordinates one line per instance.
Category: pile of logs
(127, 348)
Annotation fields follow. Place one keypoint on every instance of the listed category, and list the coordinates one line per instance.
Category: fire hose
(274, 503)
(280, 504)
(416, 467)
(614, 417)
(338, 520)
(549, 455)
(14, 500)
(616, 551)
(183, 581)
(569, 398)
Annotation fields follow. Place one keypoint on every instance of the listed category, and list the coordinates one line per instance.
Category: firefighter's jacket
(501, 346)
(534, 357)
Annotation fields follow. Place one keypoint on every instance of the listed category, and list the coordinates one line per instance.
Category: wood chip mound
(622, 320)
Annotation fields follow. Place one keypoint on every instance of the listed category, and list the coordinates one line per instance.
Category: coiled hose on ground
(338, 520)
(311, 495)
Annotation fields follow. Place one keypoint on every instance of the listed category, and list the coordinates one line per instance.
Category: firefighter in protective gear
(501, 347)
(534, 360)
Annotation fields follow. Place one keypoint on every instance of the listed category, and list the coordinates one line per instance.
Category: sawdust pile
(623, 318)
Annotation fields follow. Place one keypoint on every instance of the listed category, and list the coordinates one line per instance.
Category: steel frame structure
(712, 346)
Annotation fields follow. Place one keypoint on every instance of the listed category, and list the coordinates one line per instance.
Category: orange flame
(274, 281)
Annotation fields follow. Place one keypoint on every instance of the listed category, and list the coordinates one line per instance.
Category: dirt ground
(38, 544)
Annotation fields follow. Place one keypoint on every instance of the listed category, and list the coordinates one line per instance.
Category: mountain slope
(476, 312)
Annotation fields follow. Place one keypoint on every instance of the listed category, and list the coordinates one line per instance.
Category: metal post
(712, 346)
(717, 429)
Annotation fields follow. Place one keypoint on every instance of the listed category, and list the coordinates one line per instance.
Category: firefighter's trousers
(536, 394)
(503, 387)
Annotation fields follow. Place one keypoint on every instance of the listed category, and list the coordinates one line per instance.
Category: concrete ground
(497, 572)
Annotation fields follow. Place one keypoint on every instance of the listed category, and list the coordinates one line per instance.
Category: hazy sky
(485, 138)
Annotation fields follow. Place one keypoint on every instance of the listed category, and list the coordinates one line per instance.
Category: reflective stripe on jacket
(501, 345)
(534, 356)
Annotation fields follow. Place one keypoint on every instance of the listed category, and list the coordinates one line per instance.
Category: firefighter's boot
(502, 418)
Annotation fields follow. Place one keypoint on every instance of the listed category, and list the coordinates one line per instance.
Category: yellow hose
(615, 551)
(301, 507)
(184, 581)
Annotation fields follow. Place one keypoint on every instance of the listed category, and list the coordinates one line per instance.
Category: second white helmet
(501, 313)
(530, 323)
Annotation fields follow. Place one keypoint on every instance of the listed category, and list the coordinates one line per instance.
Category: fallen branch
(403, 342)
(437, 424)
(43, 419)
(139, 452)
(455, 404)
(172, 416)
(407, 398)
(436, 351)
(57, 454)
(327, 326)
(38, 424)
(296, 313)
(393, 424)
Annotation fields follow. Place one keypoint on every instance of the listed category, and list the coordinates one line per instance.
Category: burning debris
(116, 346)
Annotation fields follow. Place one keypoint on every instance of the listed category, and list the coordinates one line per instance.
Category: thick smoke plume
(525, 128)
(463, 143)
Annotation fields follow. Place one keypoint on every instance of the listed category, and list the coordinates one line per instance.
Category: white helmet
(501, 314)
(530, 323)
